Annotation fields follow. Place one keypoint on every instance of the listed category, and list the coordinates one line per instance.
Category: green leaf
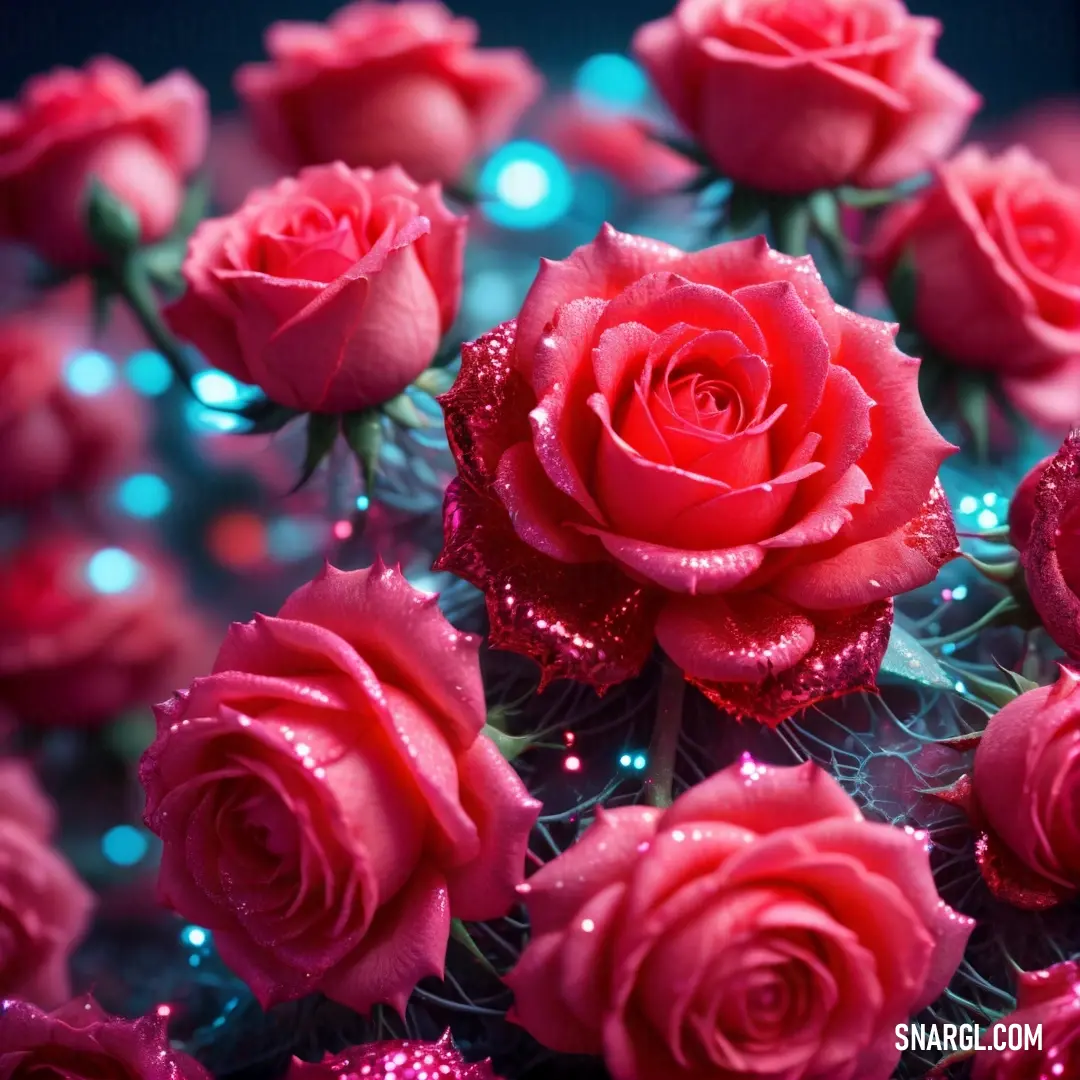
(163, 262)
(973, 401)
(907, 660)
(112, 224)
(460, 933)
(322, 429)
(825, 219)
(900, 289)
(403, 412)
(364, 434)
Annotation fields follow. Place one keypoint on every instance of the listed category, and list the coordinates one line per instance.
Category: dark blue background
(1013, 51)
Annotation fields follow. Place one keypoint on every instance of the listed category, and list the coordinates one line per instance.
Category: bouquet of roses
(691, 743)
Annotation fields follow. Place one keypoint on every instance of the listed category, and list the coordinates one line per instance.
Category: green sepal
(973, 405)
(102, 295)
(789, 223)
(322, 430)
(868, 198)
(403, 412)
(364, 434)
(460, 933)
(744, 210)
(196, 204)
(112, 224)
(1021, 684)
(510, 746)
(435, 381)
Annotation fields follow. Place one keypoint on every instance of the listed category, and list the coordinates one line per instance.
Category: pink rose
(759, 927)
(236, 164)
(393, 1059)
(81, 1042)
(1044, 526)
(1050, 130)
(702, 450)
(623, 147)
(330, 291)
(1029, 843)
(51, 437)
(794, 95)
(72, 653)
(326, 799)
(1049, 998)
(44, 907)
(1014, 308)
(69, 125)
(386, 84)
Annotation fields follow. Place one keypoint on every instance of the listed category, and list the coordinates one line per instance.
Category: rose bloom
(1050, 998)
(386, 84)
(330, 291)
(1030, 842)
(828, 92)
(69, 125)
(71, 654)
(1050, 130)
(1044, 526)
(590, 137)
(381, 1061)
(44, 907)
(53, 438)
(1015, 308)
(326, 800)
(81, 1042)
(759, 927)
(701, 449)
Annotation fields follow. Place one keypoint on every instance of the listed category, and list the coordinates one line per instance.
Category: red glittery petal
(393, 1060)
(845, 657)
(1011, 881)
(587, 622)
(1058, 492)
(487, 408)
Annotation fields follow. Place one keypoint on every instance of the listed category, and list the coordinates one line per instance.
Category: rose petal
(693, 572)
(733, 638)
(407, 943)
(845, 658)
(588, 621)
(504, 813)
(877, 569)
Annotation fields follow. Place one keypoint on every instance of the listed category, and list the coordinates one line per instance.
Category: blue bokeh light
(89, 373)
(525, 186)
(195, 937)
(148, 372)
(612, 80)
(143, 495)
(215, 388)
(124, 845)
(112, 570)
(289, 539)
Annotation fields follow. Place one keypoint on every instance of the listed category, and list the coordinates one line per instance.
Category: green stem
(667, 728)
(1003, 607)
(133, 284)
(789, 223)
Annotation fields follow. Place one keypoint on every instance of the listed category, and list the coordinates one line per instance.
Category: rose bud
(44, 907)
(1049, 999)
(1044, 526)
(393, 1060)
(386, 84)
(623, 147)
(1014, 310)
(1028, 845)
(87, 631)
(326, 799)
(68, 126)
(827, 93)
(758, 927)
(330, 291)
(82, 1042)
(702, 450)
